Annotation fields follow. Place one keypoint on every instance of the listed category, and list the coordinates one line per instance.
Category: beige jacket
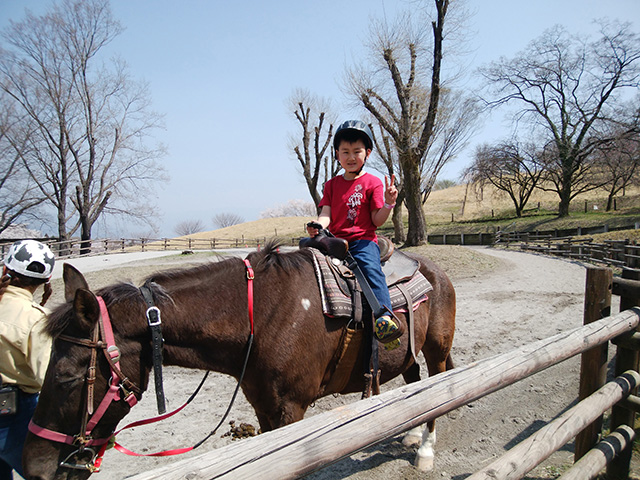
(24, 347)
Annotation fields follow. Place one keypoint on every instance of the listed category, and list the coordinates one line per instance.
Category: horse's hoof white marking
(424, 464)
(425, 456)
(413, 437)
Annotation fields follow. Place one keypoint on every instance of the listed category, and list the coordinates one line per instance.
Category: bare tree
(18, 193)
(293, 208)
(313, 148)
(91, 120)
(618, 163)
(510, 167)
(567, 88)
(392, 89)
(457, 120)
(222, 220)
(189, 227)
(386, 153)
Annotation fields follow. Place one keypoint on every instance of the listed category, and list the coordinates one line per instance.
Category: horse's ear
(73, 280)
(86, 307)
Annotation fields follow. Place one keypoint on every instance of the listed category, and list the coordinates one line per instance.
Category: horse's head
(90, 383)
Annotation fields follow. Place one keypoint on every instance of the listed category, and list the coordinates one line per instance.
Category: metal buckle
(124, 390)
(110, 350)
(89, 465)
(151, 322)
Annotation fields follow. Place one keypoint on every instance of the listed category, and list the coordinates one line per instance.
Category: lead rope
(120, 448)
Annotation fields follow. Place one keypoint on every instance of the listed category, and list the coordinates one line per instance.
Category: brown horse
(205, 325)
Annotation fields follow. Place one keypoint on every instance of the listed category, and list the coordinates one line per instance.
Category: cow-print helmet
(30, 258)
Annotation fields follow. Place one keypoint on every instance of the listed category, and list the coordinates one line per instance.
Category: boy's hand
(313, 228)
(390, 190)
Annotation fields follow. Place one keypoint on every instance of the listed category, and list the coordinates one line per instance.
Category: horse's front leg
(288, 413)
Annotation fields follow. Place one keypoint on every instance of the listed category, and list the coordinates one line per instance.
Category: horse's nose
(39, 460)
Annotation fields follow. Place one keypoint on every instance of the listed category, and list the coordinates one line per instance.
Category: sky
(221, 73)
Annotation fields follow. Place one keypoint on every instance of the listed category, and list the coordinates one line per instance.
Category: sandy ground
(525, 298)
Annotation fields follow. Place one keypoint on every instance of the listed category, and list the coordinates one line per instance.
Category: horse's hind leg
(436, 363)
(425, 455)
(422, 436)
(414, 436)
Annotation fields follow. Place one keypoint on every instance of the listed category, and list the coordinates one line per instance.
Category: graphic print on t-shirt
(354, 202)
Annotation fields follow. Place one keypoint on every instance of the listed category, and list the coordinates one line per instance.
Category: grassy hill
(283, 227)
(471, 212)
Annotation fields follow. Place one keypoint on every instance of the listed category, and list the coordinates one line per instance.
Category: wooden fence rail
(529, 453)
(78, 248)
(617, 253)
(314, 442)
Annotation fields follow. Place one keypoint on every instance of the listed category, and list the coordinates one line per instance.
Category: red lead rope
(178, 451)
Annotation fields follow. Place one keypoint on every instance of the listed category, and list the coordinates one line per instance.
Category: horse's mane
(268, 257)
(58, 320)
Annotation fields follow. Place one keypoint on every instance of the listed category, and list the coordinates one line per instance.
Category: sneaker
(386, 329)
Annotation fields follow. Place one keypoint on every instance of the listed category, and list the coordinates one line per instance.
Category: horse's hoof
(425, 463)
(412, 440)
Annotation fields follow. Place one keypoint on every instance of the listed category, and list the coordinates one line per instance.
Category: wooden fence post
(593, 366)
(626, 358)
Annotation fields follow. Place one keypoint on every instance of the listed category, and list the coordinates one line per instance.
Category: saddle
(408, 288)
(341, 298)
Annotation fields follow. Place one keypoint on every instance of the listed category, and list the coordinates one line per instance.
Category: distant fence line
(556, 242)
(504, 236)
(78, 248)
(617, 253)
(561, 242)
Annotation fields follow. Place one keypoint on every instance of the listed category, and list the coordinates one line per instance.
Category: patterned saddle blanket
(337, 283)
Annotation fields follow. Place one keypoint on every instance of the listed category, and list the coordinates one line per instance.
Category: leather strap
(157, 343)
(410, 320)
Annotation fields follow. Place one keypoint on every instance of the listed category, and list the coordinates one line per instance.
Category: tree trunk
(85, 235)
(417, 232)
(565, 200)
(62, 235)
(565, 187)
(399, 235)
(609, 201)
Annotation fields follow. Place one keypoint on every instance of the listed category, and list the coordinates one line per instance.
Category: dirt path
(526, 298)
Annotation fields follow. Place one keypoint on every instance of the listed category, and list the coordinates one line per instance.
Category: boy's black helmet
(354, 129)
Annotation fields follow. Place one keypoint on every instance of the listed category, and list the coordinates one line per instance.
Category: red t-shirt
(352, 202)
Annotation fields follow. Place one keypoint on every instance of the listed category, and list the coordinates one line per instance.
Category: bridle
(120, 388)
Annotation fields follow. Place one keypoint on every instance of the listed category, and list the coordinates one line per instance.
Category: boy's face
(352, 156)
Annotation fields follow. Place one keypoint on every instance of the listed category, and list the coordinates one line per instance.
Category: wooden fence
(312, 443)
(539, 240)
(617, 253)
(78, 248)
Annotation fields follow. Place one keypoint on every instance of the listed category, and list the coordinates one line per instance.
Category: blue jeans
(367, 255)
(13, 432)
